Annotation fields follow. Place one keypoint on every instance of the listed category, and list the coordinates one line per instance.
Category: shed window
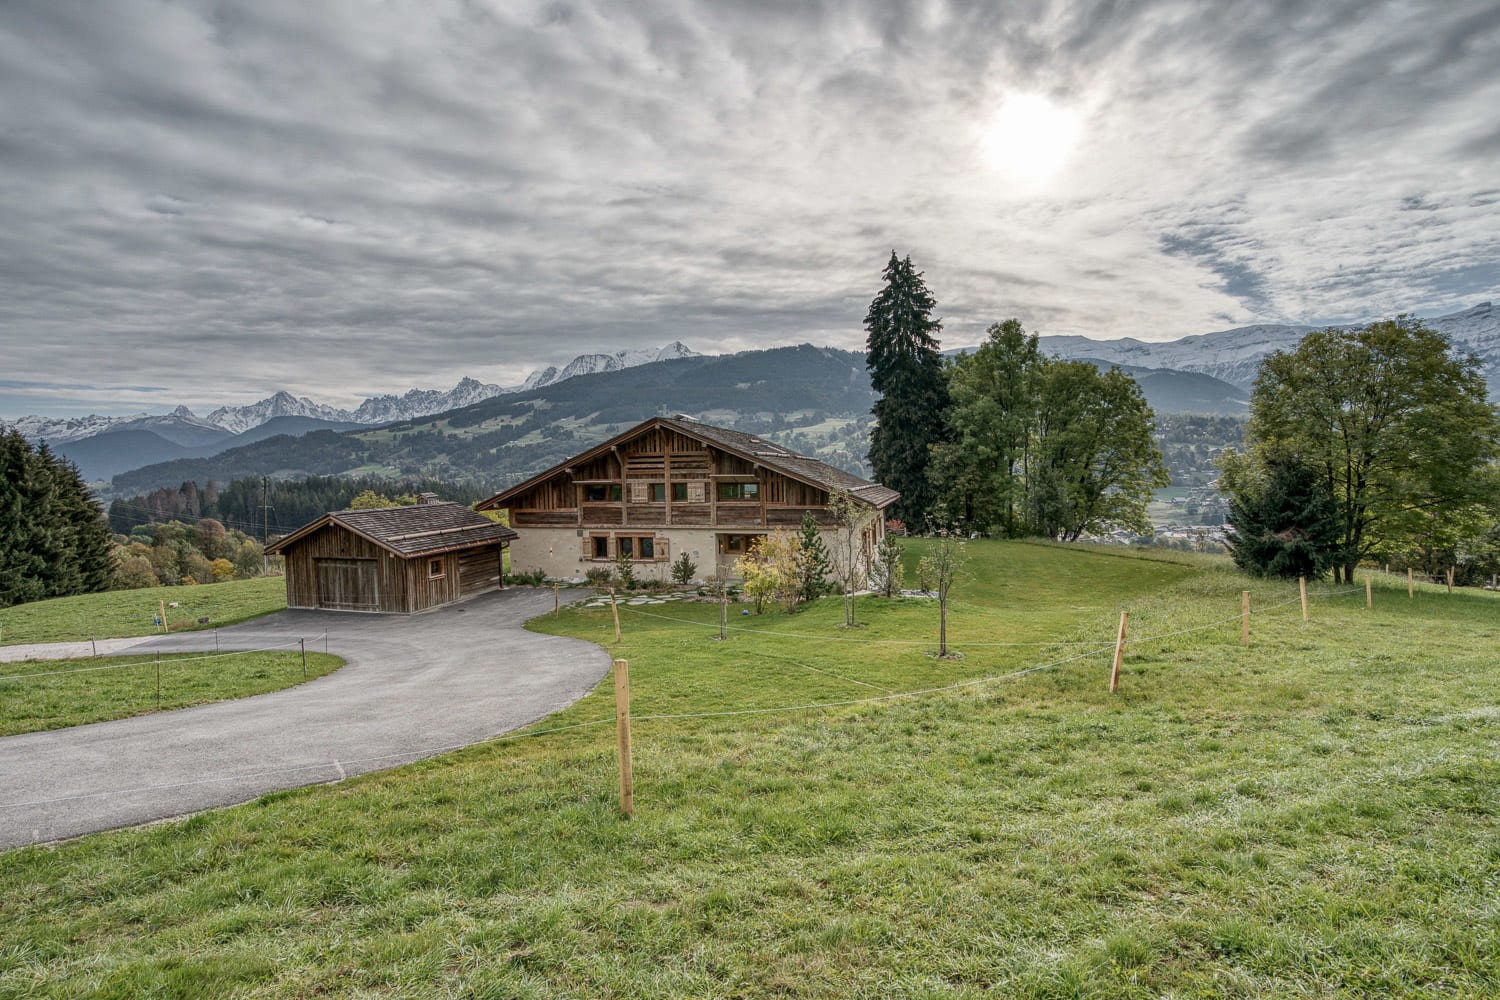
(679, 491)
(602, 493)
(434, 568)
(739, 491)
(658, 492)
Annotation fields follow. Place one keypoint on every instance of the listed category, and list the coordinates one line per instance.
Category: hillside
(132, 445)
(817, 817)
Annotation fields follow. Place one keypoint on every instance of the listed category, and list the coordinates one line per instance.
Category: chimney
(428, 498)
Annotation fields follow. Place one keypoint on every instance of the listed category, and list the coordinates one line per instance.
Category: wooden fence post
(614, 610)
(1450, 579)
(162, 606)
(556, 604)
(724, 613)
(1114, 673)
(622, 728)
(1410, 589)
(303, 644)
(1244, 618)
(158, 680)
(1302, 587)
(1369, 594)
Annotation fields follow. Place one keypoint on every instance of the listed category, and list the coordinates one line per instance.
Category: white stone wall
(558, 552)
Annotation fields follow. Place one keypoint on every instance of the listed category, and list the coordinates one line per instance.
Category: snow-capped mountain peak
(238, 419)
(182, 425)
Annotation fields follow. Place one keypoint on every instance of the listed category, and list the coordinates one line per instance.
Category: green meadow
(125, 613)
(54, 694)
(1316, 815)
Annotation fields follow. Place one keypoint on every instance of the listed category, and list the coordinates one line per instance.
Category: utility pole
(265, 524)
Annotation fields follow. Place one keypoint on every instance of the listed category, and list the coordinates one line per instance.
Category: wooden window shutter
(638, 489)
(663, 549)
(588, 546)
(695, 491)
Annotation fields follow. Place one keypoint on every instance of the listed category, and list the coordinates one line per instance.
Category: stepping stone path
(640, 599)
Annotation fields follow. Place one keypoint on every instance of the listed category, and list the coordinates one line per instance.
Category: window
(658, 492)
(434, 569)
(601, 546)
(638, 547)
(601, 493)
(739, 491)
(679, 492)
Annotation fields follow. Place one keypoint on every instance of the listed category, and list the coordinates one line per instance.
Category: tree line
(1005, 441)
(241, 503)
(53, 538)
(1376, 444)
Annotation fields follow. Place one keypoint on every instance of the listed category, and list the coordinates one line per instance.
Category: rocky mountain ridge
(1234, 355)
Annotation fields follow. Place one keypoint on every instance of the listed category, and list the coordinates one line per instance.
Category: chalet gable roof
(746, 446)
(424, 529)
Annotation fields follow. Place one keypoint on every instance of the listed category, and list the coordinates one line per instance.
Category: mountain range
(816, 399)
(183, 427)
(1235, 355)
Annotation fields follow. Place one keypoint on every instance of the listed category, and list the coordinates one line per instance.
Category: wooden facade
(354, 560)
(670, 477)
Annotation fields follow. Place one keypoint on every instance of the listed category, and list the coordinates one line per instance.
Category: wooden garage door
(348, 585)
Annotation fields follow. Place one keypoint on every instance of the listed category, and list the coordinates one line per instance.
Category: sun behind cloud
(1030, 138)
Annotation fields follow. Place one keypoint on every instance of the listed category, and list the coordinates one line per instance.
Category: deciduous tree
(1397, 426)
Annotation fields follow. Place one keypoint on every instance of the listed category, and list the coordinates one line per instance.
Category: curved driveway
(412, 687)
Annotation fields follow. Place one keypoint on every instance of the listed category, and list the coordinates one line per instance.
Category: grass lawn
(53, 694)
(1317, 815)
(123, 613)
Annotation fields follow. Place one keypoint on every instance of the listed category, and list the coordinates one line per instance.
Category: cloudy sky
(202, 202)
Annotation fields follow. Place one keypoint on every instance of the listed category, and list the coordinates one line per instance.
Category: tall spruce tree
(1286, 523)
(901, 351)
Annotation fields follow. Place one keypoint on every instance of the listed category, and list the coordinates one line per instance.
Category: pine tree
(1286, 523)
(53, 538)
(813, 562)
(901, 351)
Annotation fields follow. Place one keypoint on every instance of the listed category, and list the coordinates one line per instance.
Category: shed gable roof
(424, 529)
(747, 446)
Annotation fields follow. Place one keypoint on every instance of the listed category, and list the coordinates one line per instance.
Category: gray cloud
(340, 199)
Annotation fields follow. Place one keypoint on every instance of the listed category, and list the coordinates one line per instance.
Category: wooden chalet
(395, 559)
(671, 484)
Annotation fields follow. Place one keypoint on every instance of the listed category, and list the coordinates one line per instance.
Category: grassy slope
(54, 694)
(122, 613)
(1316, 815)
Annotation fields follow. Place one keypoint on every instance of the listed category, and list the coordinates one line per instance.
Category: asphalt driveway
(412, 687)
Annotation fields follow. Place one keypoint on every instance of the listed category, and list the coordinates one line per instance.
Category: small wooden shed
(395, 559)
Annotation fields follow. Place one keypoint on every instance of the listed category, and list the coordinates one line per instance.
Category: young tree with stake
(942, 563)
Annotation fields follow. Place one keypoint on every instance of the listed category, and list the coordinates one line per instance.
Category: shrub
(683, 569)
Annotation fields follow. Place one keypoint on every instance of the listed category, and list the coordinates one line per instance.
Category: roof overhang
(502, 498)
(439, 547)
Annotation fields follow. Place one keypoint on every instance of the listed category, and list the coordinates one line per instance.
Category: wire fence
(339, 767)
(166, 656)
